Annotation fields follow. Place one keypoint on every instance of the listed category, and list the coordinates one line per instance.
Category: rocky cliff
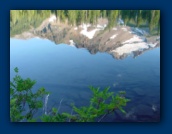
(119, 41)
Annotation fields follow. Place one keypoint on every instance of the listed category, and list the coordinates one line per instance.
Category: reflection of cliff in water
(120, 41)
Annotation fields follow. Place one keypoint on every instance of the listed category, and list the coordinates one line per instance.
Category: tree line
(138, 18)
(23, 20)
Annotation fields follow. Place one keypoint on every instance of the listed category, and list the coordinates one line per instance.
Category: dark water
(67, 72)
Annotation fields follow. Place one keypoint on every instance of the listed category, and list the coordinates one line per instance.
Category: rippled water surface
(67, 72)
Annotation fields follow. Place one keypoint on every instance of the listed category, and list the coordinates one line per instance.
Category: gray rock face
(103, 40)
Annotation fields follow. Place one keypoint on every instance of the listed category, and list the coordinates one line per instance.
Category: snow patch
(52, 18)
(85, 26)
(89, 34)
(72, 43)
(128, 48)
(152, 45)
(112, 37)
(100, 27)
(134, 39)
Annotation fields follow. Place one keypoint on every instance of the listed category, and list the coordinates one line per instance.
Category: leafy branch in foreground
(24, 104)
(101, 104)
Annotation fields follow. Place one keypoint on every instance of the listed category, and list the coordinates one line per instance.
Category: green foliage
(20, 23)
(61, 14)
(112, 18)
(54, 117)
(72, 16)
(154, 20)
(102, 102)
(81, 18)
(22, 98)
(23, 20)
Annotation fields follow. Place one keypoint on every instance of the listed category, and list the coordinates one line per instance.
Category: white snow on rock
(152, 45)
(89, 34)
(52, 18)
(72, 43)
(130, 47)
(134, 39)
(100, 27)
(133, 44)
(112, 37)
(85, 26)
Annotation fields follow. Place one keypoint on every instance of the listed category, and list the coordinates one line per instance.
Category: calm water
(67, 72)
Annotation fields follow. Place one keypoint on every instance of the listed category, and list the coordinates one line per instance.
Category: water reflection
(67, 72)
(51, 54)
(119, 41)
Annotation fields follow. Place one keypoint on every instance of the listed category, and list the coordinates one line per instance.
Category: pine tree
(72, 16)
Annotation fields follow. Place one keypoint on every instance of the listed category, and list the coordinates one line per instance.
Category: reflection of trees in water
(22, 20)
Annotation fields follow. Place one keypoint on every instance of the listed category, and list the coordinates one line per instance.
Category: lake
(67, 71)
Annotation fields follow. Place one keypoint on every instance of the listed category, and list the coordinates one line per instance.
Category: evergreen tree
(112, 18)
(139, 18)
(125, 15)
(81, 18)
(61, 15)
(72, 16)
(76, 17)
(103, 13)
(154, 19)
